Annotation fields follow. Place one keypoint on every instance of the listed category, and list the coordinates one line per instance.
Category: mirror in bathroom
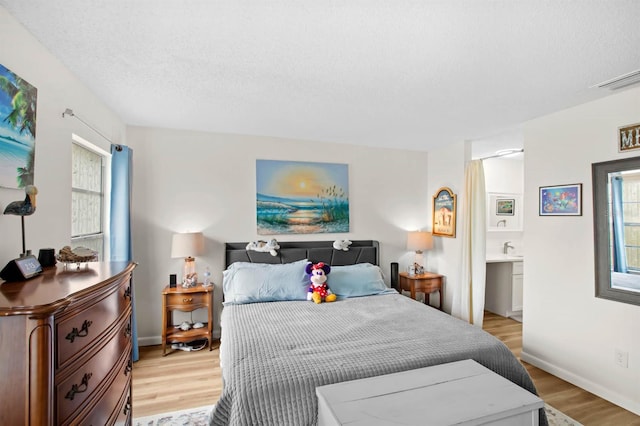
(504, 211)
(616, 215)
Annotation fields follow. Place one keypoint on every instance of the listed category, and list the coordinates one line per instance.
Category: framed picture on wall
(560, 200)
(444, 213)
(505, 206)
(301, 197)
(18, 100)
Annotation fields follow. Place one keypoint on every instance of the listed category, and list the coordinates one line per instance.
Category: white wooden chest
(457, 393)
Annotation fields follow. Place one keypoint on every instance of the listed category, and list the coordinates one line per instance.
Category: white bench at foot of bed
(457, 393)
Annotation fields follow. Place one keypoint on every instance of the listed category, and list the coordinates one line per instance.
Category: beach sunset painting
(297, 197)
(17, 130)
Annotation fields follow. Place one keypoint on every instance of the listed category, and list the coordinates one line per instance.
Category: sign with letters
(629, 137)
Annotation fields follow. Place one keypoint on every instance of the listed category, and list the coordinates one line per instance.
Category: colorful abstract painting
(18, 101)
(296, 197)
(561, 200)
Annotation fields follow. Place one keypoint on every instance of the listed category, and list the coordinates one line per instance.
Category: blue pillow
(261, 282)
(361, 279)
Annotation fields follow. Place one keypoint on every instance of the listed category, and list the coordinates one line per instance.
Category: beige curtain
(468, 302)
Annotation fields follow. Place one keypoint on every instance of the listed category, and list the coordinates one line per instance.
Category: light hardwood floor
(184, 380)
(575, 402)
(175, 382)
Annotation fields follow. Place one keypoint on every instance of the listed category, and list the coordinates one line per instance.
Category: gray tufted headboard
(360, 251)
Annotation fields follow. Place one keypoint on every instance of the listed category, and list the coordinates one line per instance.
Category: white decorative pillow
(260, 282)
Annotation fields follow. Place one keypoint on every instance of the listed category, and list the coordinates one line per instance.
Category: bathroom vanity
(503, 294)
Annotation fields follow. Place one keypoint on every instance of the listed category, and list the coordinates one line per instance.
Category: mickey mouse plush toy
(318, 289)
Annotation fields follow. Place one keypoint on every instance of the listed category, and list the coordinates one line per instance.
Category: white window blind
(87, 199)
(631, 215)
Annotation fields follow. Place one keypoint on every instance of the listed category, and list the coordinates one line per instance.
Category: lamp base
(416, 269)
(189, 275)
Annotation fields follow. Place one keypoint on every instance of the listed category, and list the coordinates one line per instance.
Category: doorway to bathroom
(505, 251)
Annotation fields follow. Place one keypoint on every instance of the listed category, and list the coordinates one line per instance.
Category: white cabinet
(516, 286)
(503, 294)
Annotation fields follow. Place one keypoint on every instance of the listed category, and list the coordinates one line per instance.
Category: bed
(276, 347)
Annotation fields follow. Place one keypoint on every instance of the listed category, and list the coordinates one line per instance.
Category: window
(89, 204)
(616, 215)
(631, 207)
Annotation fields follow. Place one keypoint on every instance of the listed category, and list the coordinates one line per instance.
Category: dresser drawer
(187, 300)
(88, 378)
(114, 407)
(76, 331)
(124, 411)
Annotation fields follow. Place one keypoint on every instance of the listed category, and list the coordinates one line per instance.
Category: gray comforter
(273, 355)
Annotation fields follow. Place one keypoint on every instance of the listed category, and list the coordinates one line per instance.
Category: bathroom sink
(492, 258)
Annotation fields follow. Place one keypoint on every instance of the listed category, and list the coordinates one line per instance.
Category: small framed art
(444, 213)
(505, 206)
(560, 200)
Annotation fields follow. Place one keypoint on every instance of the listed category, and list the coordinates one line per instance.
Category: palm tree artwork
(18, 101)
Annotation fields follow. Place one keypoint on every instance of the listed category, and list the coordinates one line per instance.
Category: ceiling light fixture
(619, 82)
(505, 152)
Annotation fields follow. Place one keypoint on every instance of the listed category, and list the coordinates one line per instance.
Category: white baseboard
(583, 383)
(149, 341)
(157, 340)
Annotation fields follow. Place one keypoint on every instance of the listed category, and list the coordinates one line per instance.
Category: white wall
(193, 181)
(567, 330)
(504, 175)
(446, 168)
(50, 225)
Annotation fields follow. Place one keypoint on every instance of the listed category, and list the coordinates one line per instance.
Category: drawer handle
(83, 332)
(127, 406)
(187, 300)
(82, 387)
(127, 330)
(128, 368)
(127, 293)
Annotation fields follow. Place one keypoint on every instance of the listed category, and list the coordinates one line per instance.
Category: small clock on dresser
(21, 269)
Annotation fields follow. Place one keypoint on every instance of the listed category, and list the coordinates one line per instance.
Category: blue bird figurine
(26, 207)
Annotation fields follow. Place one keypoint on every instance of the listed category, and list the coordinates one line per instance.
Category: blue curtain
(619, 252)
(121, 182)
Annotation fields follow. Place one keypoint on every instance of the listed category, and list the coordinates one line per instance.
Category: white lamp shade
(419, 241)
(187, 245)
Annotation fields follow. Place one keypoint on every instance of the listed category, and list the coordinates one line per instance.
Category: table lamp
(419, 241)
(188, 245)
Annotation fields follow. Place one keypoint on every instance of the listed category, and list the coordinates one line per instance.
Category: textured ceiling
(398, 73)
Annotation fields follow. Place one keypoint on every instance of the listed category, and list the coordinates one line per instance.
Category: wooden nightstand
(186, 300)
(426, 283)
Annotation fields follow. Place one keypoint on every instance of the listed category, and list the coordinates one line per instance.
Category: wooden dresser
(65, 347)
